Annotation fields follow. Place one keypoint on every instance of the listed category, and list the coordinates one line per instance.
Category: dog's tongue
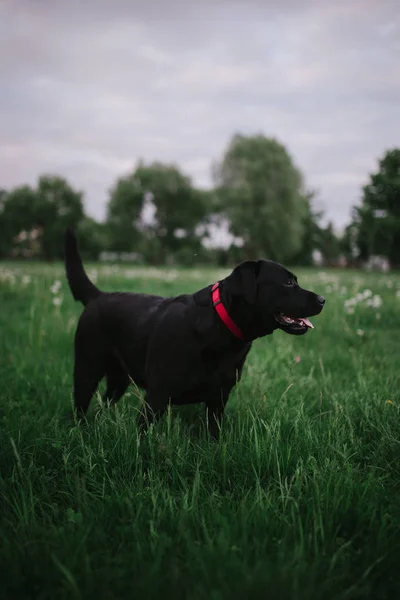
(307, 322)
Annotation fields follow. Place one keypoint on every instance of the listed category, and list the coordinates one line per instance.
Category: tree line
(259, 199)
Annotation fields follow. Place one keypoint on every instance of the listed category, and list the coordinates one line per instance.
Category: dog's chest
(222, 366)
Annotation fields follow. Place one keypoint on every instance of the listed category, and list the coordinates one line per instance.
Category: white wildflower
(55, 288)
(7, 276)
(57, 301)
(349, 302)
(360, 332)
(376, 301)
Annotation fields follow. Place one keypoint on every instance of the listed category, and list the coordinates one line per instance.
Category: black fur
(177, 349)
(81, 287)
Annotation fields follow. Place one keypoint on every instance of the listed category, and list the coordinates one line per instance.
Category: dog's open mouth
(293, 324)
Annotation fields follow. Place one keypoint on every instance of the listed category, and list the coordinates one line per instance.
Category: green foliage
(4, 243)
(33, 220)
(348, 243)
(19, 208)
(298, 501)
(123, 213)
(3, 196)
(58, 206)
(378, 218)
(93, 238)
(329, 244)
(262, 195)
(178, 209)
(158, 213)
(312, 234)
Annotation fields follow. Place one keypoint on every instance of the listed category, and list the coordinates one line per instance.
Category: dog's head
(264, 296)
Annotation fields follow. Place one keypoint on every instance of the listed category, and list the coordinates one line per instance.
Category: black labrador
(181, 350)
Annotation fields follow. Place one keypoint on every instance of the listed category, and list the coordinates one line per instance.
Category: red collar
(223, 313)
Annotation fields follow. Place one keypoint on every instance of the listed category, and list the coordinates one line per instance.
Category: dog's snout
(321, 300)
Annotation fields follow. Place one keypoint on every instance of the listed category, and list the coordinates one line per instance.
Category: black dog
(181, 350)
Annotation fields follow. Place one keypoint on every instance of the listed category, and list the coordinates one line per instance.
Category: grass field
(299, 500)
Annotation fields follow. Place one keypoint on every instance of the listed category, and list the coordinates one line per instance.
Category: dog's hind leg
(86, 379)
(117, 384)
(117, 376)
(89, 369)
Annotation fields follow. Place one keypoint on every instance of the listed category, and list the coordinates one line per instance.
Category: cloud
(88, 88)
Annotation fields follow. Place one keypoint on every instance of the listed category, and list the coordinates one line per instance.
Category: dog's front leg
(153, 408)
(215, 407)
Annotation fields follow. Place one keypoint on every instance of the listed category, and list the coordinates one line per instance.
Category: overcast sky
(88, 88)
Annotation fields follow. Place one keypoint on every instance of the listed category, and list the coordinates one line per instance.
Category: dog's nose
(321, 300)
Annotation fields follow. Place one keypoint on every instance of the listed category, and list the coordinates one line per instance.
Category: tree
(40, 216)
(329, 245)
(348, 244)
(58, 207)
(312, 235)
(178, 206)
(263, 197)
(93, 238)
(3, 196)
(377, 220)
(4, 236)
(155, 210)
(17, 219)
(123, 213)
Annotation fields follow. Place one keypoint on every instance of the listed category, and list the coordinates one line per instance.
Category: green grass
(299, 500)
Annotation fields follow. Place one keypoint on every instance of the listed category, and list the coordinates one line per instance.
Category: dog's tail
(81, 287)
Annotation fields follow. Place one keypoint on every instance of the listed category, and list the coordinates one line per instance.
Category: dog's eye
(290, 281)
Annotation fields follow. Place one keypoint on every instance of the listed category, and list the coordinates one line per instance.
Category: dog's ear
(243, 280)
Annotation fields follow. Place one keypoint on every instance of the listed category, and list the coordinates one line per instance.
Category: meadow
(299, 500)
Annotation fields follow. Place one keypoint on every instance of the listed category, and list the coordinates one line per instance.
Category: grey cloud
(88, 88)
